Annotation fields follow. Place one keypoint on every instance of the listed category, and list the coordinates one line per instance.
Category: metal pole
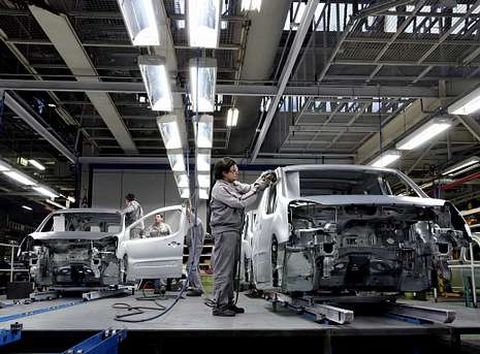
(472, 271)
(11, 262)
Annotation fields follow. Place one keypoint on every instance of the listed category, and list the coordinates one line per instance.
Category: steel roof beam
(397, 63)
(233, 90)
(410, 41)
(392, 39)
(21, 108)
(471, 124)
(286, 72)
(21, 41)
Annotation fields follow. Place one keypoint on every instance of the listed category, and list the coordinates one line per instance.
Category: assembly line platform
(192, 319)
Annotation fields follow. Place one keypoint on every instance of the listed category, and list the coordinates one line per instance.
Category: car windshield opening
(86, 222)
(347, 182)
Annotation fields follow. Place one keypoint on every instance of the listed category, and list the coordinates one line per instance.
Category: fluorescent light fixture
(203, 19)
(22, 161)
(182, 180)
(184, 193)
(204, 138)
(46, 191)
(203, 193)
(141, 20)
(4, 166)
(177, 162)
(37, 164)
(203, 180)
(465, 170)
(20, 177)
(425, 133)
(55, 204)
(467, 104)
(251, 5)
(426, 185)
(27, 207)
(170, 132)
(203, 75)
(232, 117)
(470, 212)
(157, 82)
(386, 159)
(52, 105)
(203, 160)
(462, 165)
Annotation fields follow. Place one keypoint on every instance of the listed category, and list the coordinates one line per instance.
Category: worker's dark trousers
(195, 246)
(224, 263)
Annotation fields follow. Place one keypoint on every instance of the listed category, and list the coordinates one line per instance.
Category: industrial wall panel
(148, 187)
(152, 188)
(106, 187)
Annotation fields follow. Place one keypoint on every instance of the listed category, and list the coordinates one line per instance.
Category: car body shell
(271, 228)
(111, 257)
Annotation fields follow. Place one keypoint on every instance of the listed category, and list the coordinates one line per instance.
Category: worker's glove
(264, 181)
(260, 184)
(270, 176)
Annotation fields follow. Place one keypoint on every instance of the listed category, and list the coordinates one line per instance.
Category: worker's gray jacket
(133, 212)
(227, 204)
(158, 230)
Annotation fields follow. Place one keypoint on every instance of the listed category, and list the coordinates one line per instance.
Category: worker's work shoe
(223, 311)
(194, 292)
(236, 309)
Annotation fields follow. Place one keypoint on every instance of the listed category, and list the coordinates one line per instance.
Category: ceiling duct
(62, 35)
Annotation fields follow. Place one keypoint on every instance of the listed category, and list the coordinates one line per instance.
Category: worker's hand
(265, 180)
(269, 176)
(260, 184)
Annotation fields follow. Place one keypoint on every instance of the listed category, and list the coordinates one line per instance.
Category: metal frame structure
(371, 61)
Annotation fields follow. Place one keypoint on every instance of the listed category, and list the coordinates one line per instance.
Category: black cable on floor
(139, 310)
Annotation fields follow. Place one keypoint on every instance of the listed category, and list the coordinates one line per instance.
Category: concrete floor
(191, 323)
(191, 314)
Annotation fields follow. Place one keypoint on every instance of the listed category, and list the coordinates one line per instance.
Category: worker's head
(129, 197)
(158, 218)
(226, 169)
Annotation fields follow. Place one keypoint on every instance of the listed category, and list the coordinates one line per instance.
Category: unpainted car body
(88, 247)
(246, 267)
(350, 228)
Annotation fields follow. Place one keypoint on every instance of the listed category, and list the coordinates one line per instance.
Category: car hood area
(332, 200)
(71, 235)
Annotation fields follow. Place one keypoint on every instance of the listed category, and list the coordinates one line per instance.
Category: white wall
(152, 188)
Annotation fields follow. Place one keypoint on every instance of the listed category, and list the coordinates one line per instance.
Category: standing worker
(133, 212)
(227, 204)
(194, 242)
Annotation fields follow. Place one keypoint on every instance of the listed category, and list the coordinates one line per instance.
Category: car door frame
(169, 263)
(262, 240)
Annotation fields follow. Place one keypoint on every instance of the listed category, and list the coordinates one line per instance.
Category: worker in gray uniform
(194, 241)
(133, 212)
(228, 201)
(159, 228)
